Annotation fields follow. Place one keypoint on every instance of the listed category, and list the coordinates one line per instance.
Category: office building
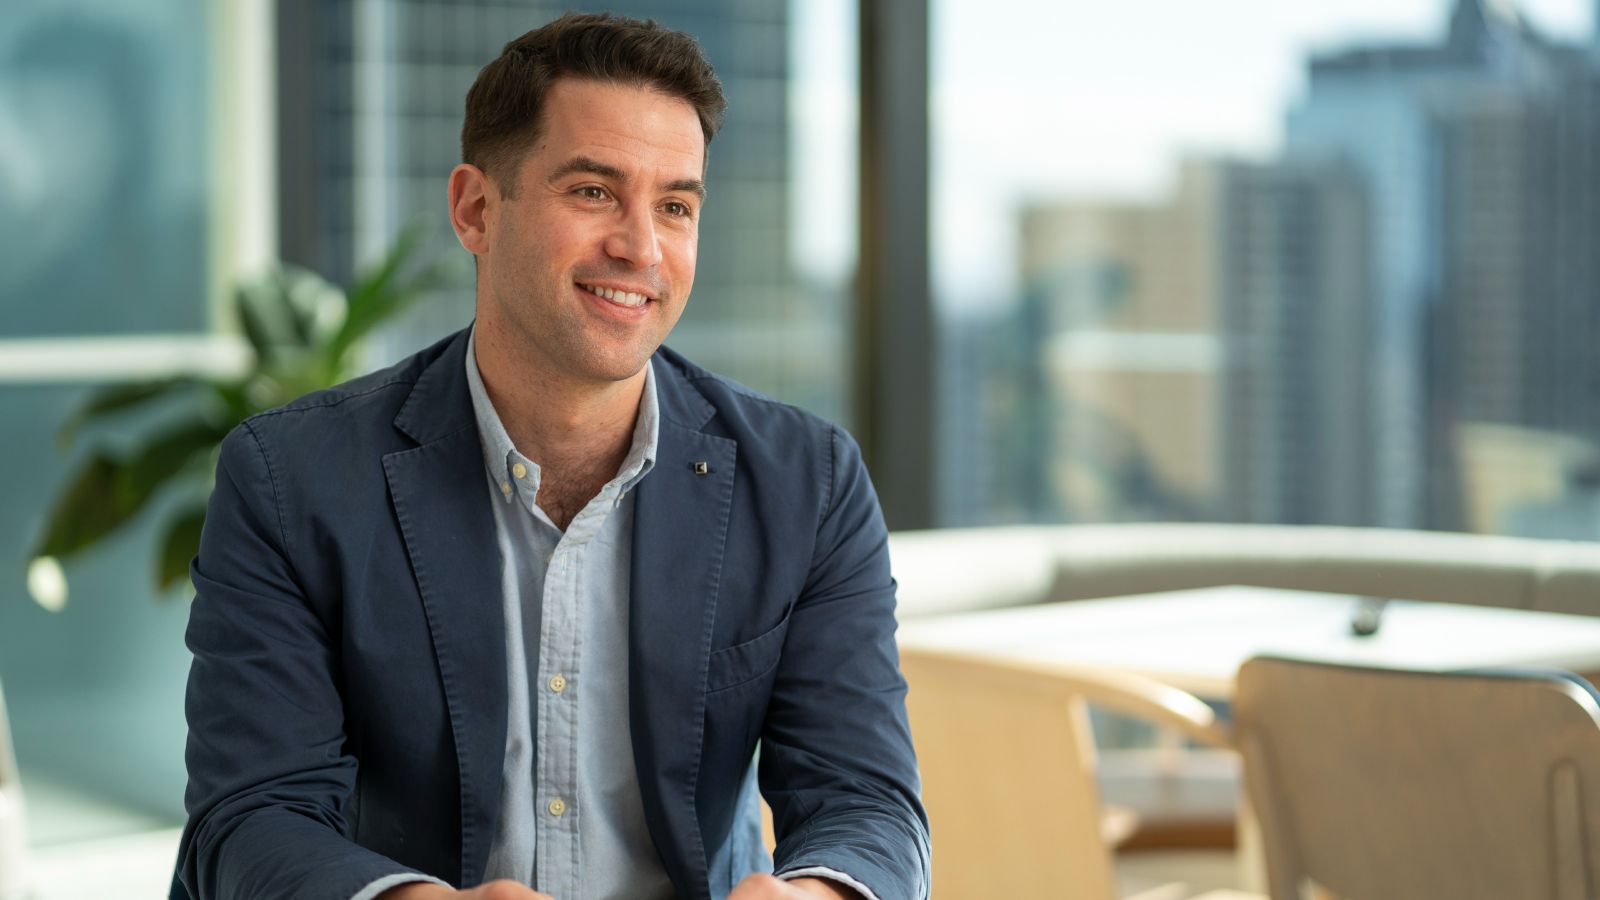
(1119, 313)
(1204, 356)
(1480, 157)
(1294, 436)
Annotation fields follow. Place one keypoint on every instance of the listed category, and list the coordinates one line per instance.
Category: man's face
(589, 265)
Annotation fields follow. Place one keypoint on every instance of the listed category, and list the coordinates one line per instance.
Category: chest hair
(566, 488)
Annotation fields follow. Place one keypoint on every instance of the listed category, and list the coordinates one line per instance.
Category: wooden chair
(1382, 784)
(1008, 769)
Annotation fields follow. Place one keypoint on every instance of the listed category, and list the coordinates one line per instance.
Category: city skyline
(1085, 104)
(1383, 324)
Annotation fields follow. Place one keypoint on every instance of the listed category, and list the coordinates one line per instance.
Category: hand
(494, 890)
(766, 887)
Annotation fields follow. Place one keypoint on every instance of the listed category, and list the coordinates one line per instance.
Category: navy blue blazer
(347, 699)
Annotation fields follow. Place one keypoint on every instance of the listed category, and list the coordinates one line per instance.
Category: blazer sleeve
(837, 765)
(269, 775)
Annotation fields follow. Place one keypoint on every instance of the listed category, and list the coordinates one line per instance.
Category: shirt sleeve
(373, 889)
(831, 875)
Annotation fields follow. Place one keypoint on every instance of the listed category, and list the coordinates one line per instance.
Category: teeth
(624, 298)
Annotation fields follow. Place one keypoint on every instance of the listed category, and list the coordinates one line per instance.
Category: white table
(135, 866)
(1196, 639)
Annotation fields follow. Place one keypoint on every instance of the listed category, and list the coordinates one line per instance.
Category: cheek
(688, 250)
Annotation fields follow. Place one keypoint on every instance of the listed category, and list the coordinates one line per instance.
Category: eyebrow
(689, 185)
(595, 167)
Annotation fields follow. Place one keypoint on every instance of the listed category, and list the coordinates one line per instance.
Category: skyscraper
(1479, 154)
(1294, 325)
(1205, 356)
(1120, 312)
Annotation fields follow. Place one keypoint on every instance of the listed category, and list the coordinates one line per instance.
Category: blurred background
(1240, 261)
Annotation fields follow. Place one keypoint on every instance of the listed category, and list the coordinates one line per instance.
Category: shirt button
(558, 683)
(519, 470)
(557, 807)
(505, 487)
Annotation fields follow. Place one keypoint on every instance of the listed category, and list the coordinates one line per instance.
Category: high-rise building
(1402, 309)
(1120, 317)
(992, 417)
(1204, 356)
(1290, 240)
(1480, 155)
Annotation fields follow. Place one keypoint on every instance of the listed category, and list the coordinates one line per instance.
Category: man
(514, 613)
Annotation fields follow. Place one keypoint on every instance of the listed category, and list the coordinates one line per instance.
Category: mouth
(624, 298)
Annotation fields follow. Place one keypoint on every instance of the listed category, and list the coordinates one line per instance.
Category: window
(109, 250)
(1256, 262)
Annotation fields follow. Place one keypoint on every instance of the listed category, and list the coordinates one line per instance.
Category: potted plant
(302, 333)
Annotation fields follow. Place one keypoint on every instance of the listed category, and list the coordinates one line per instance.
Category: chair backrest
(1379, 783)
(1008, 770)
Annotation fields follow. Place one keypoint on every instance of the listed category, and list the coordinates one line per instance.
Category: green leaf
(91, 508)
(252, 301)
(178, 546)
(232, 399)
(109, 490)
(286, 313)
(116, 399)
(381, 293)
(318, 306)
(158, 461)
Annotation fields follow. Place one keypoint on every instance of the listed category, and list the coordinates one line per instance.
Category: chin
(618, 367)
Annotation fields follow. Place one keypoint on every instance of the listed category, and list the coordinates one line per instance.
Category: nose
(634, 240)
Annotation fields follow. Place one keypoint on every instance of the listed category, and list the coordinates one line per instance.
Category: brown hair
(506, 101)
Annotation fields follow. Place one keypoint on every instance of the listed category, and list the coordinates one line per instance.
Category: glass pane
(1263, 262)
(105, 232)
(103, 175)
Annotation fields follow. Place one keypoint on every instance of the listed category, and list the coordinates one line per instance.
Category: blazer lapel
(681, 513)
(443, 508)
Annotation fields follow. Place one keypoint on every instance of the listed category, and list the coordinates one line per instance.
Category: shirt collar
(501, 457)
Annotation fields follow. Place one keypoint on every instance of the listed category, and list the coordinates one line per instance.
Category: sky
(1035, 100)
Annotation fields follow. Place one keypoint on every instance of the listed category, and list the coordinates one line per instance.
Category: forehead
(622, 124)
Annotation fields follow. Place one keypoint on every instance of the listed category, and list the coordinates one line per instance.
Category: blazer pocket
(733, 666)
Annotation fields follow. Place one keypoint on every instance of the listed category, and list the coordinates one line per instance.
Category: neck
(554, 419)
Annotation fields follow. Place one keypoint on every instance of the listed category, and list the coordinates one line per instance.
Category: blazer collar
(680, 528)
(441, 499)
(681, 402)
(439, 403)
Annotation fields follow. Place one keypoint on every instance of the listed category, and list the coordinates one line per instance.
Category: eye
(591, 192)
(676, 208)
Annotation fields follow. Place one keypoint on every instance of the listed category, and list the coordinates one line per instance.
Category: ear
(472, 195)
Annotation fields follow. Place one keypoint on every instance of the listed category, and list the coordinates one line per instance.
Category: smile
(621, 298)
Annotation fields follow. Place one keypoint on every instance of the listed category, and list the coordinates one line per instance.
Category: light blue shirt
(572, 821)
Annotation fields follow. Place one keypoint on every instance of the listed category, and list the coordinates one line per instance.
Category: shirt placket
(560, 670)
(558, 677)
